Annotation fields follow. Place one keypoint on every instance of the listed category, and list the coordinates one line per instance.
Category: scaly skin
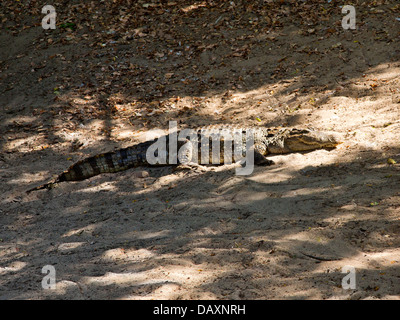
(266, 141)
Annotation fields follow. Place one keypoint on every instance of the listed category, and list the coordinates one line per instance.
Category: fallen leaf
(391, 161)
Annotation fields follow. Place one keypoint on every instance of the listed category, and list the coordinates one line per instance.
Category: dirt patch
(113, 70)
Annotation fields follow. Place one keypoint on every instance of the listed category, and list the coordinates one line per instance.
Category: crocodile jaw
(312, 140)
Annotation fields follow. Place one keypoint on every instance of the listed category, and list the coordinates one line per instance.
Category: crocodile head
(296, 140)
(305, 140)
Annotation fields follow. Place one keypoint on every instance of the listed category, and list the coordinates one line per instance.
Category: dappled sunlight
(19, 120)
(144, 258)
(26, 178)
(69, 247)
(118, 72)
(104, 187)
(112, 278)
(127, 255)
(178, 273)
(79, 231)
(146, 235)
(387, 258)
(308, 191)
(384, 71)
(26, 145)
(14, 267)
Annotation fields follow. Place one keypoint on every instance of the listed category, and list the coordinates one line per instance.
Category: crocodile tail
(47, 185)
(109, 162)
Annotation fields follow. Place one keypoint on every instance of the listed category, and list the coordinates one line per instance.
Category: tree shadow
(254, 233)
(141, 66)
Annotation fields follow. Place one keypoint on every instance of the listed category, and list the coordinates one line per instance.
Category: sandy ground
(284, 232)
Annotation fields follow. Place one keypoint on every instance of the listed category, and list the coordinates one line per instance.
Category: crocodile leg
(261, 160)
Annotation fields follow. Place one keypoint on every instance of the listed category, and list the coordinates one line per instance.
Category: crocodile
(265, 141)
